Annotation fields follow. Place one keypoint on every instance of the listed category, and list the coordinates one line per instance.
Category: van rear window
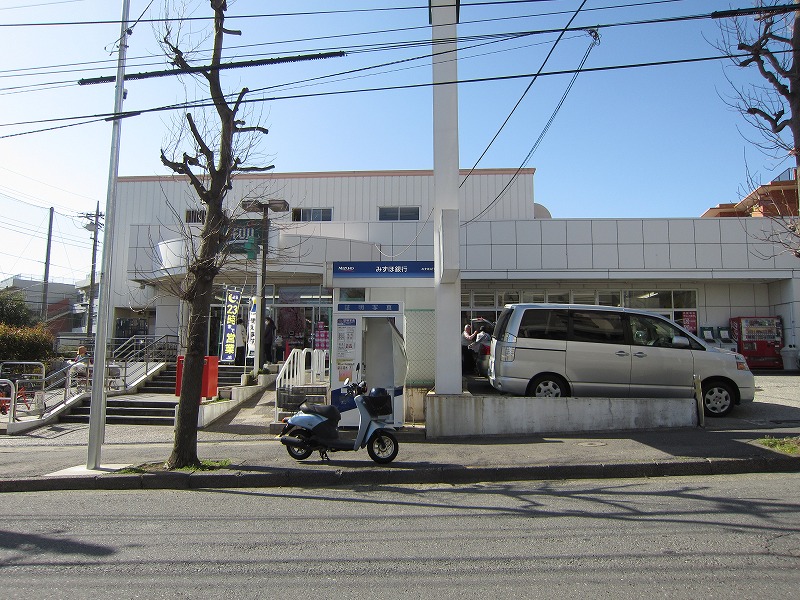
(544, 324)
(502, 322)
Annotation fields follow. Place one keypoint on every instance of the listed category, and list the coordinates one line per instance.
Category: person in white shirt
(241, 340)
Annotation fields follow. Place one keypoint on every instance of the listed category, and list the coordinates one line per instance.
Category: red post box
(210, 380)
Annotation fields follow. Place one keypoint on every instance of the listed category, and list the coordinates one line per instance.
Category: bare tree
(219, 148)
(769, 41)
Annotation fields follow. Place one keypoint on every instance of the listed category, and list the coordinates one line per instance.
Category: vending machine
(759, 340)
(368, 345)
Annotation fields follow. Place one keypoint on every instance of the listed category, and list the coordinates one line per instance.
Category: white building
(700, 272)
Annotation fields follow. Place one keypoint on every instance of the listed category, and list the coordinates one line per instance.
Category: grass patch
(159, 467)
(790, 445)
(207, 465)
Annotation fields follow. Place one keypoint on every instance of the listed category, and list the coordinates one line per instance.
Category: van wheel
(547, 386)
(718, 398)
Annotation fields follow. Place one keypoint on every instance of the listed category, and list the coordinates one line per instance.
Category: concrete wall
(460, 416)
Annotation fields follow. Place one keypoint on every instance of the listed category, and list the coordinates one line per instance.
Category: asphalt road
(714, 537)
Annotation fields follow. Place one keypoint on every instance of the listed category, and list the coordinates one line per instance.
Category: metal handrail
(294, 371)
(144, 348)
(26, 374)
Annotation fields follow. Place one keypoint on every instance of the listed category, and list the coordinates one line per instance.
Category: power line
(527, 89)
(207, 104)
(204, 103)
(204, 69)
(111, 64)
(40, 4)
(518, 33)
(274, 15)
(595, 41)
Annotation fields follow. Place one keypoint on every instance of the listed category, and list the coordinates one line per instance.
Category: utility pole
(47, 267)
(94, 228)
(97, 407)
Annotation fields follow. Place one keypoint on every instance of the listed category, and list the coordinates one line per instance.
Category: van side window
(650, 331)
(598, 327)
(544, 324)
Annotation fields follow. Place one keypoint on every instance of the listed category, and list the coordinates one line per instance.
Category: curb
(452, 475)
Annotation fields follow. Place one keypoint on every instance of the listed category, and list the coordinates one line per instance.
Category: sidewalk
(55, 457)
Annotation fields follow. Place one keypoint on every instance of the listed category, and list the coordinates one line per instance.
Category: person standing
(482, 342)
(269, 339)
(240, 343)
(467, 356)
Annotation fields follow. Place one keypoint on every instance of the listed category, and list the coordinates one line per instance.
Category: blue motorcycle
(315, 427)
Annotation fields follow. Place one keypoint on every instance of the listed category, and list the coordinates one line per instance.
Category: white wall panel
(631, 256)
(656, 256)
(630, 231)
(734, 256)
(579, 256)
(479, 257)
(554, 256)
(554, 232)
(503, 232)
(655, 231)
(604, 231)
(579, 232)
(529, 257)
(529, 232)
(708, 256)
(681, 231)
(504, 256)
(605, 256)
(706, 231)
(682, 256)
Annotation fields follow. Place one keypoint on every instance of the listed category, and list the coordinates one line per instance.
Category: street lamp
(263, 207)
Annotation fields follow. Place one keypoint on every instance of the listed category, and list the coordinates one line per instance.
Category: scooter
(315, 427)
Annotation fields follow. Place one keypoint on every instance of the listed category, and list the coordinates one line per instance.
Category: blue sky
(636, 142)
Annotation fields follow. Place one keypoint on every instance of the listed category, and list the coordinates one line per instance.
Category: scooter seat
(327, 411)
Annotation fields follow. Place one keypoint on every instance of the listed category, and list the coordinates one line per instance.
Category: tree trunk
(184, 450)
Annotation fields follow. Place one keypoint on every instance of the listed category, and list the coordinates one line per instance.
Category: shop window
(684, 298)
(398, 213)
(352, 295)
(647, 299)
(609, 298)
(583, 298)
(533, 297)
(483, 299)
(507, 297)
(558, 297)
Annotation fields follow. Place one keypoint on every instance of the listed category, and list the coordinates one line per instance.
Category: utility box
(367, 344)
(210, 380)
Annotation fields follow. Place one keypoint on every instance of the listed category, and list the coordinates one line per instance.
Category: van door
(658, 369)
(598, 355)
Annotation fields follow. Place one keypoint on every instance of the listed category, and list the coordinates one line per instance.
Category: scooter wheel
(382, 447)
(296, 452)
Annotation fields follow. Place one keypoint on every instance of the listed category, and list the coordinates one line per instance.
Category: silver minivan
(611, 352)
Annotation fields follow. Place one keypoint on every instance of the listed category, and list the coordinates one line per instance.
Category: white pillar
(447, 276)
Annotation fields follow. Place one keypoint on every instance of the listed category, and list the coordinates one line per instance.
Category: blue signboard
(384, 270)
(368, 307)
(232, 297)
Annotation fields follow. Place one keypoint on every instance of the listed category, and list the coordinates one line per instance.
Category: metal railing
(22, 390)
(29, 395)
(304, 367)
